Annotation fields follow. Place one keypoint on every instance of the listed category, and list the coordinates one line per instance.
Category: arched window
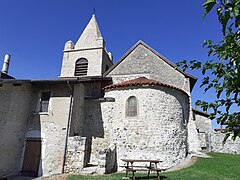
(81, 67)
(131, 108)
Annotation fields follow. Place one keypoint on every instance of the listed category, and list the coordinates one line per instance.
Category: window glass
(131, 107)
(44, 102)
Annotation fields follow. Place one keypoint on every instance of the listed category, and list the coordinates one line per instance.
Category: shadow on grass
(151, 177)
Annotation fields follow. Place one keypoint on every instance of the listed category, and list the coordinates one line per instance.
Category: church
(97, 112)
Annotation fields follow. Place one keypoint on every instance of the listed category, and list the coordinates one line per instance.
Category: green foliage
(223, 74)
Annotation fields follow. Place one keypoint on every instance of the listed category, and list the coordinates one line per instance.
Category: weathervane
(94, 12)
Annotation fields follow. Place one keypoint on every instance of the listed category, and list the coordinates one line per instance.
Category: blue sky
(34, 31)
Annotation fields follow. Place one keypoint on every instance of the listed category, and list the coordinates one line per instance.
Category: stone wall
(94, 57)
(93, 89)
(156, 133)
(204, 127)
(141, 62)
(51, 124)
(194, 144)
(216, 139)
(78, 114)
(93, 128)
(14, 109)
(107, 62)
(75, 158)
(203, 123)
(107, 161)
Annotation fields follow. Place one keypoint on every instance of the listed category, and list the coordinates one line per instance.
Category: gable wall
(142, 62)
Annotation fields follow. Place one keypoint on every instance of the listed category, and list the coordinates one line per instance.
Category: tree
(222, 74)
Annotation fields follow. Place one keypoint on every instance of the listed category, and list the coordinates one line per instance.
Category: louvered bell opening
(81, 67)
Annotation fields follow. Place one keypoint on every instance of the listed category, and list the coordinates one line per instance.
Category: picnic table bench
(131, 167)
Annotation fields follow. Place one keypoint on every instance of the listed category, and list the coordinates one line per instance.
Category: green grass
(221, 166)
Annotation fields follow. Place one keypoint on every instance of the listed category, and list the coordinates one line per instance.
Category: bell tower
(88, 57)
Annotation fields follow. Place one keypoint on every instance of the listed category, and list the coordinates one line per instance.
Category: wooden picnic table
(132, 167)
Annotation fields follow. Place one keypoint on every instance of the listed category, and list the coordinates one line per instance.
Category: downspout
(68, 126)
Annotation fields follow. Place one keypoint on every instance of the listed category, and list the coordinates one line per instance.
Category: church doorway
(32, 156)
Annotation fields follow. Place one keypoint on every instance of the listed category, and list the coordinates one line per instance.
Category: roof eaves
(73, 79)
(5, 81)
(205, 114)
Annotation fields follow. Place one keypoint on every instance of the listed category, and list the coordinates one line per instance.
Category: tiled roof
(141, 81)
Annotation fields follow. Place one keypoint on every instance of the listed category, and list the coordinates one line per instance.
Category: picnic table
(132, 166)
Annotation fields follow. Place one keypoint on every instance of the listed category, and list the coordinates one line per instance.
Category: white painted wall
(14, 109)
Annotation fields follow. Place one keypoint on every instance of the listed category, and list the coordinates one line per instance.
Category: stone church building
(97, 113)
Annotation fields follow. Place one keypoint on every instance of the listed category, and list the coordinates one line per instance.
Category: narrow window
(44, 102)
(81, 67)
(131, 110)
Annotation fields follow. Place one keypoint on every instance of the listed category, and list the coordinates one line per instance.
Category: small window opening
(131, 110)
(44, 103)
(81, 67)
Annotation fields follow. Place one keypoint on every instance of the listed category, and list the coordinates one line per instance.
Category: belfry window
(131, 107)
(44, 102)
(81, 67)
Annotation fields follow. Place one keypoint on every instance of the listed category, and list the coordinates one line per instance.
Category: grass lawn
(221, 166)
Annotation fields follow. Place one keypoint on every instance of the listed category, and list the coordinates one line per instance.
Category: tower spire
(89, 56)
(91, 36)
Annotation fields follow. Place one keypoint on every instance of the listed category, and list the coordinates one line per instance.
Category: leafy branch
(223, 74)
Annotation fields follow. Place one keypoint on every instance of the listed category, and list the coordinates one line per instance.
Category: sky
(34, 32)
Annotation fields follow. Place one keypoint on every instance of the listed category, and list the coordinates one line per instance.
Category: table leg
(132, 171)
(133, 175)
(149, 169)
(157, 171)
(127, 169)
(158, 175)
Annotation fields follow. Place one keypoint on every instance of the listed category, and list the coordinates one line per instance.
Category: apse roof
(141, 81)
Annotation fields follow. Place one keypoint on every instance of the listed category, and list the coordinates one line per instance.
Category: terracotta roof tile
(140, 82)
